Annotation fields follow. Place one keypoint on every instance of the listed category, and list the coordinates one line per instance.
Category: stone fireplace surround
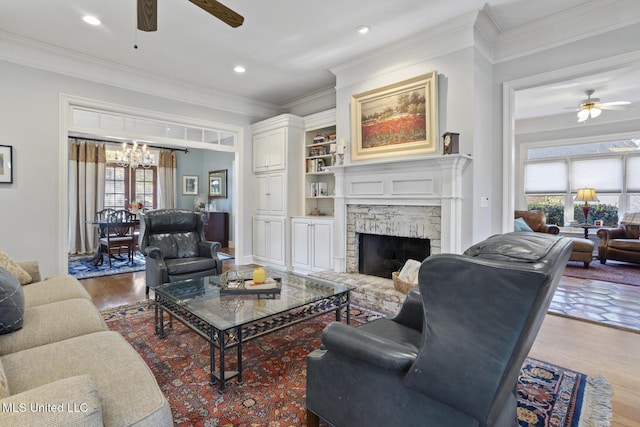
(411, 198)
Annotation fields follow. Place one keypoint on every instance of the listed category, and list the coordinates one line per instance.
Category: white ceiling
(287, 46)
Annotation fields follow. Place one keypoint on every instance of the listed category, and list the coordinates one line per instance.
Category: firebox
(380, 255)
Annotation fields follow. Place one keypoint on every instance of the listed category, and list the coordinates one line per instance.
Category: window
(552, 175)
(124, 185)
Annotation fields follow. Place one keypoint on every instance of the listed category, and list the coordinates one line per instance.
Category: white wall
(30, 208)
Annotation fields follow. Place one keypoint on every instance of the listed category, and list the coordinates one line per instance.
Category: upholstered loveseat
(62, 366)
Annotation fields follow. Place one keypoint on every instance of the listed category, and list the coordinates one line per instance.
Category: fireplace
(380, 255)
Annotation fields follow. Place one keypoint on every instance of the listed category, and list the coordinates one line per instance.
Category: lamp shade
(586, 195)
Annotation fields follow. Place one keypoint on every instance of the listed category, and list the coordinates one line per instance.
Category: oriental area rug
(273, 391)
(613, 271)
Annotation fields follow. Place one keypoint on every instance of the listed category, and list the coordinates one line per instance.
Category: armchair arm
(610, 233)
(32, 268)
(154, 252)
(411, 313)
(210, 249)
(550, 228)
(359, 344)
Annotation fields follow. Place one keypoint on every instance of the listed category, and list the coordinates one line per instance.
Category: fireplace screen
(382, 255)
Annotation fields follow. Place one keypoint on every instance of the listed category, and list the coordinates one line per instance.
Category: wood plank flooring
(585, 347)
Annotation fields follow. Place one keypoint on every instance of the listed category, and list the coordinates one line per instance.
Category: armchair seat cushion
(625, 244)
(178, 266)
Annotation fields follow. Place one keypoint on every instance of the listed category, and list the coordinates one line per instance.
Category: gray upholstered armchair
(173, 243)
(452, 355)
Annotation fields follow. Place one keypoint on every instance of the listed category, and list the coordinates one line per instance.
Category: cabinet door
(261, 194)
(276, 194)
(275, 241)
(300, 241)
(322, 249)
(269, 150)
(259, 238)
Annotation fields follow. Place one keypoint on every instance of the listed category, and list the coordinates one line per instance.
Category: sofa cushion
(4, 387)
(77, 395)
(11, 303)
(47, 323)
(56, 288)
(129, 393)
(7, 263)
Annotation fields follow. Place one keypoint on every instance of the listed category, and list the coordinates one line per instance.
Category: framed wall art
(396, 120)
(190, 185)
(6, 164)
(218, 184)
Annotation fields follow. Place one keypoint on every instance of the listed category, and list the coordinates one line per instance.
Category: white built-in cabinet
(312, 244)
(277, 152)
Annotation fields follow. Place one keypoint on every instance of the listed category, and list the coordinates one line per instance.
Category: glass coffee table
(228, 314)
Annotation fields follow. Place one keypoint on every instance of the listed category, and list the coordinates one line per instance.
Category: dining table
(103, 226)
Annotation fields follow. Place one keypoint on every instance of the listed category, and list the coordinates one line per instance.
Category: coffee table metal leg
(239, 355)
(222, 378)
(212, 357)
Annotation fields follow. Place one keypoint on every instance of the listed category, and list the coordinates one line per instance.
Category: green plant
(552, 208)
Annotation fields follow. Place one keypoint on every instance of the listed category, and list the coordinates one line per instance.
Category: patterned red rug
(612, 271)
(273, 391)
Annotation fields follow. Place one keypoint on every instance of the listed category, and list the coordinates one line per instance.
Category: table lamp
(586, 195)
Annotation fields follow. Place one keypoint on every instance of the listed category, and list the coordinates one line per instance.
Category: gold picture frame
(396, 120)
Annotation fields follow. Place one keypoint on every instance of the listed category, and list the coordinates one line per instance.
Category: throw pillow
(7, 263)
(11, 303)
(520, 225)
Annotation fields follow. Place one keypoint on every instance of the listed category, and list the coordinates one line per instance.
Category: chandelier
(134, 156)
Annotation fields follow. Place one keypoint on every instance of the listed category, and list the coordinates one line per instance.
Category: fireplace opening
(382, 255)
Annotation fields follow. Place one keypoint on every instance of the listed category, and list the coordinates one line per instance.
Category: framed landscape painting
(396, 120)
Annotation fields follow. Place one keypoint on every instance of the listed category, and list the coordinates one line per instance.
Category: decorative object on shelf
(218, 184)
(586, 195)
(396, 120)
(323, 189)
(341, 148)
(332, 151)
(134, 157)
(314, 189)
(189, 185)
(450, 143)
(200, 202)
(6, 164)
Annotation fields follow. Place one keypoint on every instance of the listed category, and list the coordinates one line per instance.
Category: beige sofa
(64, 367)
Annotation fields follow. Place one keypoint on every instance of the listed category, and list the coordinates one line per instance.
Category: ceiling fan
(148, 13)
(592, 107)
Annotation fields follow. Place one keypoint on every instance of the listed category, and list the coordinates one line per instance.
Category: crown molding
(50, 58)
(591, 19)
(445, 38)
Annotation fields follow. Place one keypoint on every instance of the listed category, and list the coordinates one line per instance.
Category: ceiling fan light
(583, 115)
(595, 112)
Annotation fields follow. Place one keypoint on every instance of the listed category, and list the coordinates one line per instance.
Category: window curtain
(167, 178)
(86, 193)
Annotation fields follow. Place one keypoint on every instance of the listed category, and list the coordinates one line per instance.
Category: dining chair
(119, 234)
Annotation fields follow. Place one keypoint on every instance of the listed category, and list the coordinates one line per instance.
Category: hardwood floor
(585, 347)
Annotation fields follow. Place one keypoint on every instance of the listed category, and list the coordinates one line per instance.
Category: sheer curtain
(167, 180)
(86, 192)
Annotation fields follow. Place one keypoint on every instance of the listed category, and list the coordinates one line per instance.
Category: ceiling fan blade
(615, 103)
(220, 11)
(148, 15)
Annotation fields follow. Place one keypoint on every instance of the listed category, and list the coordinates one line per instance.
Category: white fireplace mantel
(426, 181)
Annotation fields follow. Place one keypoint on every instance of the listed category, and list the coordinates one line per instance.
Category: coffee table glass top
(232, 307)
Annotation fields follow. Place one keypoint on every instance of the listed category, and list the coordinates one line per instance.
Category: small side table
(586, 228)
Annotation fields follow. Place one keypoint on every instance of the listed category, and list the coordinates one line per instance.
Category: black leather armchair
(452, 355)
(173, 243)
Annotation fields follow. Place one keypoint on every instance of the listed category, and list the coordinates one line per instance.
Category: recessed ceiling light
(239, 69)
(363, 29)
(91, 20)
